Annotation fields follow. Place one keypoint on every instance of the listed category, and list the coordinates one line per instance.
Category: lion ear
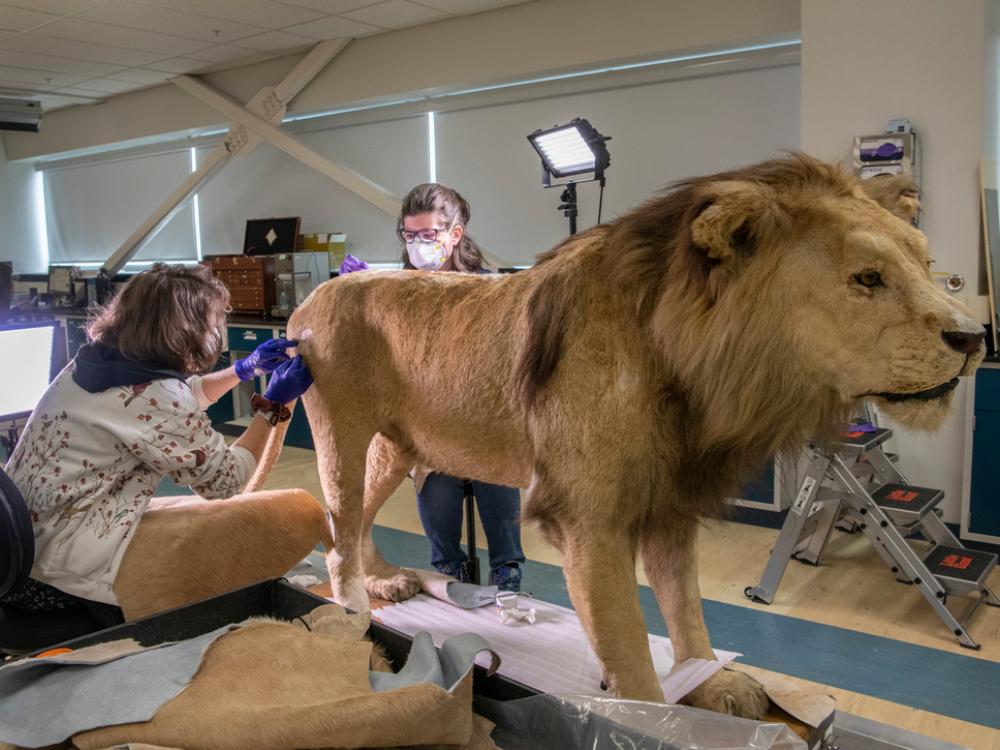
(898, 194)
(733, 218)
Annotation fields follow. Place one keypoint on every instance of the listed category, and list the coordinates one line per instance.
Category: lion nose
(963, 341)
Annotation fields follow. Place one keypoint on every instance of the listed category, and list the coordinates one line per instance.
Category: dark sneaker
(506, 577)
(457, 571)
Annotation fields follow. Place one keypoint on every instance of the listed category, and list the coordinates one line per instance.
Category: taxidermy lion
(631, 381)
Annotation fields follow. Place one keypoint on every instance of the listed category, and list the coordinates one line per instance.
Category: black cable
(600, 201)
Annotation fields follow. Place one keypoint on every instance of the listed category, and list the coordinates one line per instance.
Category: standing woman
(129, 410)
(432, 227)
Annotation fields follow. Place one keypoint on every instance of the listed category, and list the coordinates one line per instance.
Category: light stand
(471, 565)
(568, 205)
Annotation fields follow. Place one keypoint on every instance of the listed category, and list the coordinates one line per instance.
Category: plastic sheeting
(551, 656)
(545, 721)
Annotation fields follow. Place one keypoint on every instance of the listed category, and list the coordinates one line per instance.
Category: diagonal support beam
(163, 213)
(348, 178)
(269, 103)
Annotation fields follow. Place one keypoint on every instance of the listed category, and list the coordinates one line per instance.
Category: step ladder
(855, 486)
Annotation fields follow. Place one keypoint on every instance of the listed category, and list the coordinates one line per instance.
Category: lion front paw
(731, 692)
(350, 595)
(396, 586)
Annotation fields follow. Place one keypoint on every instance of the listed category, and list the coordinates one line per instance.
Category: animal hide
(273, 685)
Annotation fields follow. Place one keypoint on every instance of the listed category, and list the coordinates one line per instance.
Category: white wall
(660, 133)
(864, 62)
(991, 84)
(20, 240)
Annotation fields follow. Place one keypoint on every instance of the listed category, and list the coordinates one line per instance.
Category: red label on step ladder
(853, 435)
(961, 562)
(902, 496)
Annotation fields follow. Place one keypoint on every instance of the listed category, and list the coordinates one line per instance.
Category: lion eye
(869, 278)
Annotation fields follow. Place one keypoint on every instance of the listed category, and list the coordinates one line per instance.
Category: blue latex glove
(263, 359)
(352, 264)
(290, 380)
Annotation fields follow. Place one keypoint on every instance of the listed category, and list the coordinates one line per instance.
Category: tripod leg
(472, 566)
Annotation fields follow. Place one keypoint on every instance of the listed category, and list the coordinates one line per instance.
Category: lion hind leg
(341, 446)
(599, 565)
(669, 556)
(387, 465)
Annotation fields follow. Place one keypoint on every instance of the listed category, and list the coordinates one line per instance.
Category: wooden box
(272, 236)
(249, 279)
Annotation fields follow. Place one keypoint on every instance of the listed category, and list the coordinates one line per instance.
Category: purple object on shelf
(352, 264)
(863, 427)
(886, 151)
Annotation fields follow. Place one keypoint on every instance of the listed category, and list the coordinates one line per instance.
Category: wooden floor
(852, 589)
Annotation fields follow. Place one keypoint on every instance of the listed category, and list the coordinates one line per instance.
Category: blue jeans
(442, 513)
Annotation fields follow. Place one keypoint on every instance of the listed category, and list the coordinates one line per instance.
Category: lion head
(783, 294)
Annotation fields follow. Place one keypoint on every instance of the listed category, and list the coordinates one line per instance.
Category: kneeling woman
(129, 410)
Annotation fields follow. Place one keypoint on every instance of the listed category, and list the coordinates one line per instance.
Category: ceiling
(66, 52)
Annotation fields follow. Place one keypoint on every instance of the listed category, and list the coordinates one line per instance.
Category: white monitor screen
(27, 357)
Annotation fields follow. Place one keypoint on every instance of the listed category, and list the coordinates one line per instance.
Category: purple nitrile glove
(289, 381)
(352, 264)
(263, 359)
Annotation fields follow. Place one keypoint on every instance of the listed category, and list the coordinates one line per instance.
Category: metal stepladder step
(856, 483)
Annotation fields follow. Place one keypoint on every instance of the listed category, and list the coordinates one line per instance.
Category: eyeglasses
(424, 235)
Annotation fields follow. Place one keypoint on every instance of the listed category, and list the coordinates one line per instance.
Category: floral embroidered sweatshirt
(88, 464)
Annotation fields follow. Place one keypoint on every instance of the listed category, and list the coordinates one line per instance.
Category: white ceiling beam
(348, 178)
(174, 204)
(311, 66)
(270, 103)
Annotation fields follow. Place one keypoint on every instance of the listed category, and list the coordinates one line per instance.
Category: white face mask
(429, 256)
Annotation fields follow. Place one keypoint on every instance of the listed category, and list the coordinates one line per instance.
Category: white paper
(553, 655)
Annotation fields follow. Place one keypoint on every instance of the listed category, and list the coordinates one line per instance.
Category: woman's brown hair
(172, 315)
(431, 198)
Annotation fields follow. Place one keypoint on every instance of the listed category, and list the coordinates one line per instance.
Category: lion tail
(272, 451)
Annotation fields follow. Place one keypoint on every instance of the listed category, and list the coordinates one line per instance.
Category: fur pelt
(272, 685)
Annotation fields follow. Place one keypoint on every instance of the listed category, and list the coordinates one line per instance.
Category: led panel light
(565, 151)
(572, 149)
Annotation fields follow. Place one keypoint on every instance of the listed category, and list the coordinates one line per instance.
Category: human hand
(290, 380)
(352, 264)
(264, 359)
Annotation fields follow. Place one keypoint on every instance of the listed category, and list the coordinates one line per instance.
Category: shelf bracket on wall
(268, 106)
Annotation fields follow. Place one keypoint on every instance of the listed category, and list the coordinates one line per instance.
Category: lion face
(876, 325)
(859, 311)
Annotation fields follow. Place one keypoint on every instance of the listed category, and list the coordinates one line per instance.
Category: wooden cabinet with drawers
(249, 279)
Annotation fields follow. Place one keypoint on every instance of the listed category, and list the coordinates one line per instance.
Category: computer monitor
(27, 352)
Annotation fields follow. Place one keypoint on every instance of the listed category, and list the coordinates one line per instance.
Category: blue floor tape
(962, 687)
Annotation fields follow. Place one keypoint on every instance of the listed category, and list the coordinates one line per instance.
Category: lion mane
(731, 361)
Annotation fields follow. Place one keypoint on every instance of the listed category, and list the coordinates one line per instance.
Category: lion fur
(630, 382)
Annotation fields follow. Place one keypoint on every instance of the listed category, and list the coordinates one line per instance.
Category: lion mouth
(929, 395)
